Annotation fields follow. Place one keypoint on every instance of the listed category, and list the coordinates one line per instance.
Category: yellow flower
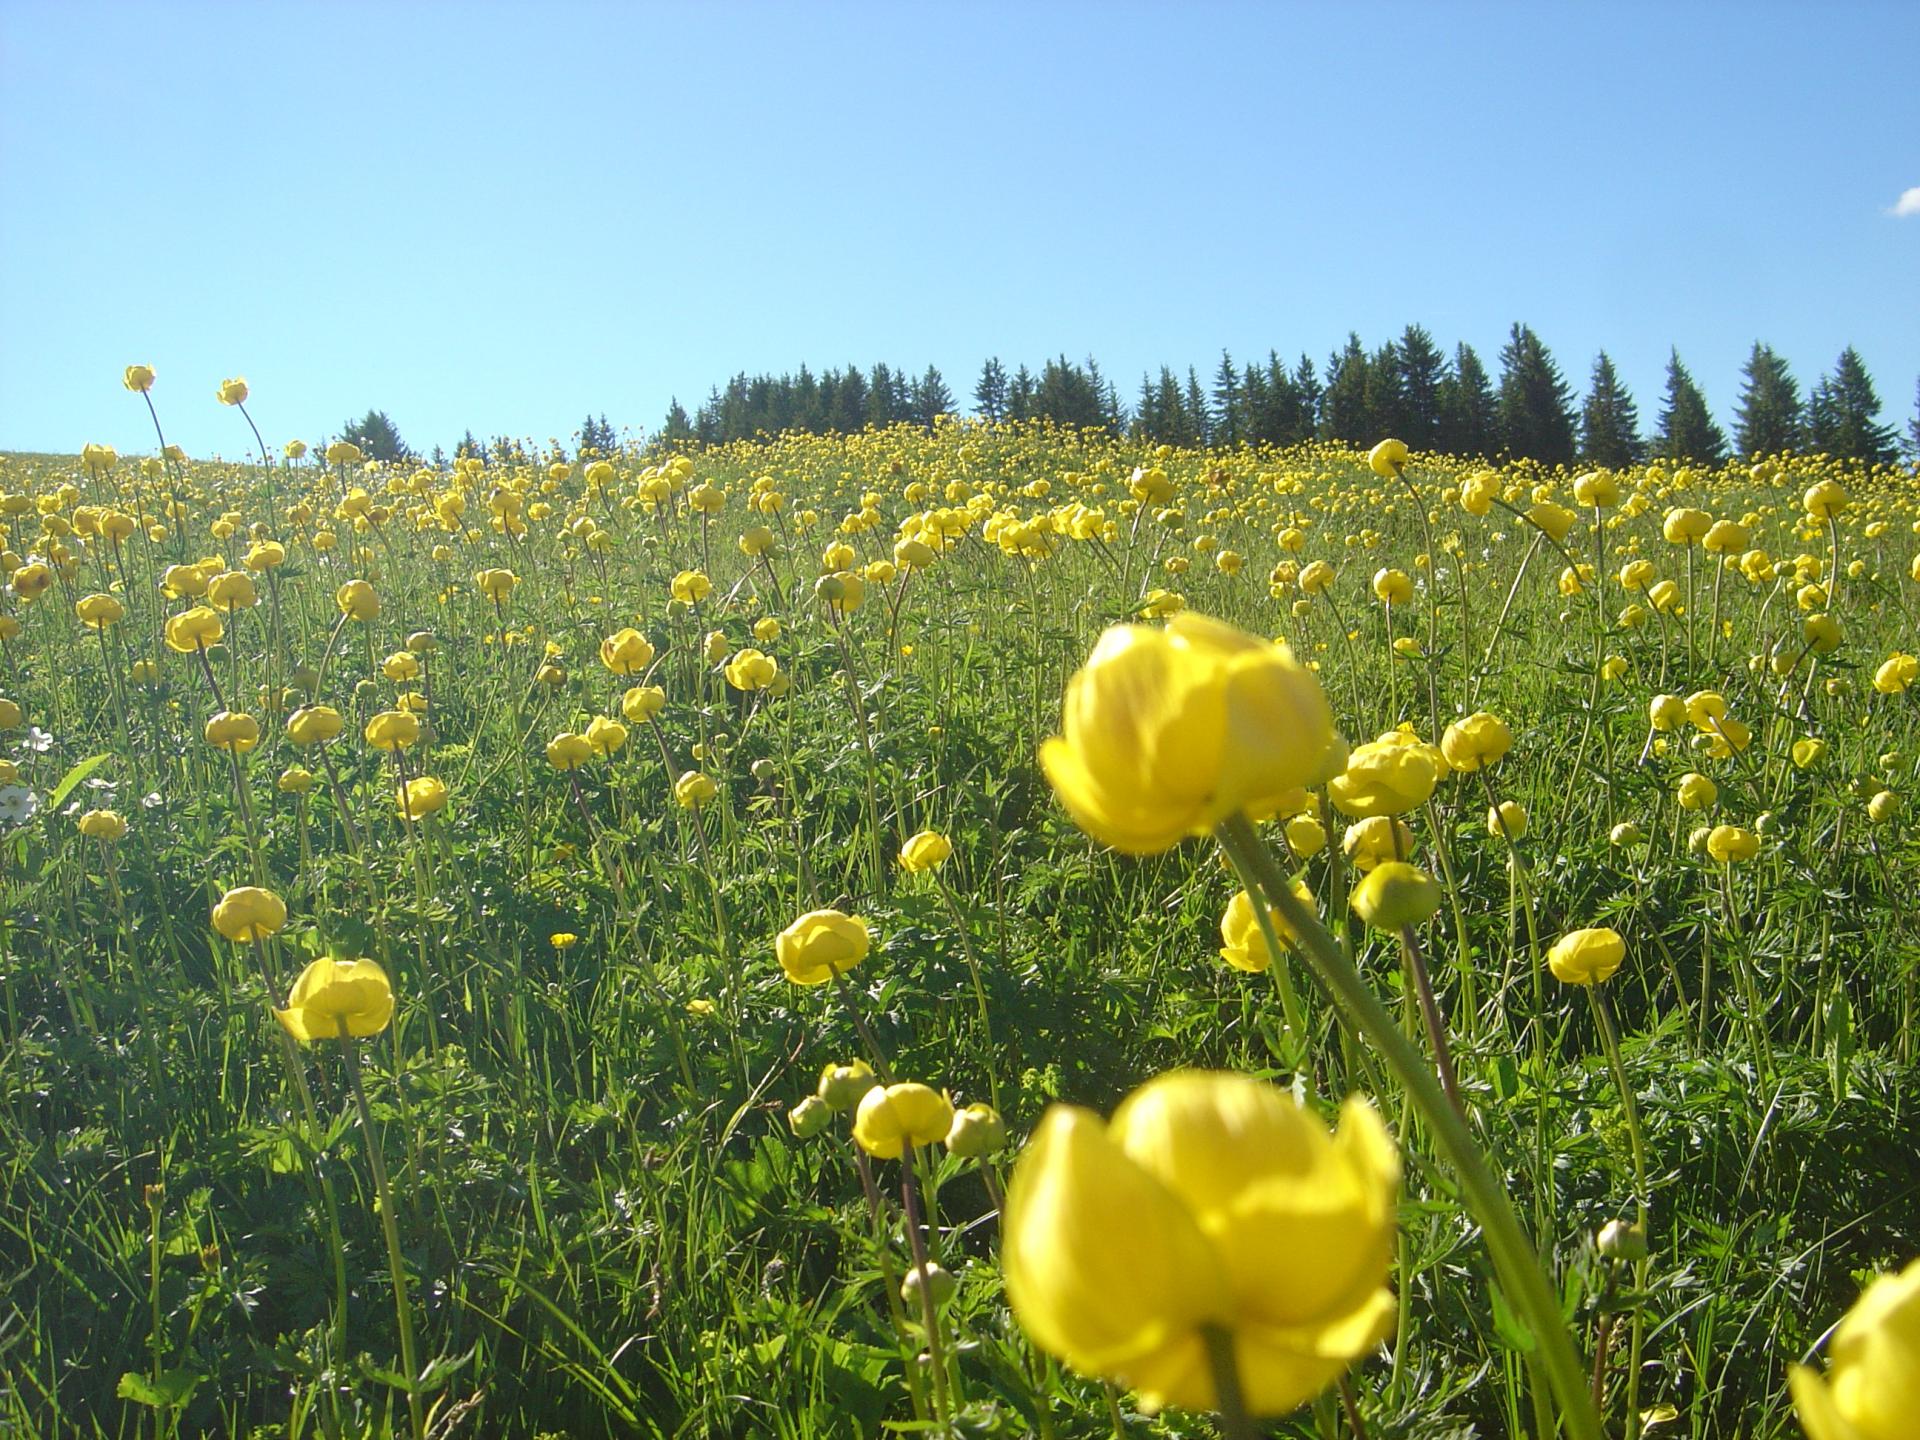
(392, 729)
(1896, 673)
(138, 378)
(193, 629)
(1508, 820)
(495, 585)
(332, 995)
(1395, 894)
(1388, 776)
(296, 450)
(1666, 712)
(924, 852)
(1808, 752)
(1884, 806)
(1169, 731)
(1478, 740)
(820, 945)
(751, 670)
(568, 751)
(295, 780)
(1871, 1390)
(1209, 1200)
(691, 586)
(99, 457)
(1684, 527)
(843, 592)
(1731, 843)
(1242, 945)
(642, 703)
(233, 391)
(693, 790)
(1825, 499)
(892, 1117)
(1392, 587)
(422, 797)
(842, 1086)
(1586, 957)
(1596, 489)
(1306, 836)
(234, 731)
(1387, 459)
(357, 600)
(99, 611)
(1695, 791)
(626, 652)
(103, 825)
(264, 555)
(232, 590)
(249, 913)
(314, 724)
(1555, 520)
(1375, 840)
(606, 735)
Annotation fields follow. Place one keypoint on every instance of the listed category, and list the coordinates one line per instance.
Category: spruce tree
(1385, 406)
(1307, 386)
(1343, 405)
(377, 437)
(1020, 395)
(1422, 369)
(1536, 415)
(1609, 420)
(1913, 425)
(1687, 429)
(1842, 414)
(990, 391)
(1768, 418)
(1469, 411)
(1226, 412)
(931, 398)
(1199, 419)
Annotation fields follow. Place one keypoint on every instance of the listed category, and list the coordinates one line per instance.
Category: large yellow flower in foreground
(330, 992)
(1872, 1386)
(820, 945)
(1167, 732)
(1210, 1199)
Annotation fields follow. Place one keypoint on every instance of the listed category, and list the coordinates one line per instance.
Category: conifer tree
(931, 398)
(1843, 414)
(990, 391)
(1306, 383)
(1469, 412)
(1768, 418)
(1913, 425)
(1609, 420)
(1536, 415)
(377, 437)
(1020, 395)
(1343, 405)
(1225, 414)
(1199, 419)
(1422, 370)
(1687, 429)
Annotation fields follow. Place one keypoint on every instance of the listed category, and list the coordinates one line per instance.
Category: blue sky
(507, 217)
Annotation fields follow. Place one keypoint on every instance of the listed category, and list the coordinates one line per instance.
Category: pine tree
(1469, 413)
(1536, 415)
(1609, 420)
(677, 430)
(1422, 370)
(1768, 418)
(1199, 418)
(1228, 421)
(1687, 429)
(1842, 414)
(469, 448)
(850, 402)
(1385, 407)
(990, 394)
(1913, 425)
(1312, 395)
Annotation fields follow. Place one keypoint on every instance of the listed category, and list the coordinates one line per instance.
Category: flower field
(866, 935)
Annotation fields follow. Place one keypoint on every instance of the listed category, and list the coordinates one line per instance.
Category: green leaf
(166, 1391)
(67, 783)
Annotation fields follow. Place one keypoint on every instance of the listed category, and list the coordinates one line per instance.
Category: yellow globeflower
(606, 735)
(1808, 752)
(693, 790)
(495, 585)
(393, 730)
(1586, 957)
(1375, 840)
(691, 586)
(1479, 740)
(820, 945)
(138, 378)
(332, 996)
(423, 796)
(1392, 587)
(626, 652)
(1684, 527)
(751, 670)
(314, 724)
(1896, 673)
(232, 590)
(568, 751)
(233, 391)
(1388, 776)
(1306, 836)
(892, 1117)
(1395, 894)
(1210, 1200)
(1695, 791)
(249, 913)
(1871, 1390)
(1167, 732)
(842, 1086)
(642, 703)
(103, 825)
(234, 731)
(97, 612)
(1242, 944)
(193, 630)
(357, 600)
(1596, 489)
(1825, 499)
(1508, 820)
(1731, 843)
(1388, 458)
(924, 852)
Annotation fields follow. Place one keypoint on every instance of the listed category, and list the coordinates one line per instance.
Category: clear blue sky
(507, 217)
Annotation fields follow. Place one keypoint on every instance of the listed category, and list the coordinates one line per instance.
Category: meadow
(580, 948)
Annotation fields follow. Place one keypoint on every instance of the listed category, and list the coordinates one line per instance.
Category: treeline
(1409, 387)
